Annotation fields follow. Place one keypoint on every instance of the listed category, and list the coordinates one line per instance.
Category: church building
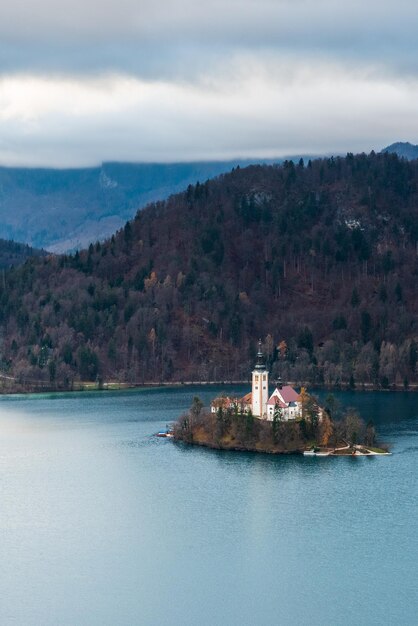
(284, 400)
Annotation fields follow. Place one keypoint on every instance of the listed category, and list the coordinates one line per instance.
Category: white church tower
(260, 388)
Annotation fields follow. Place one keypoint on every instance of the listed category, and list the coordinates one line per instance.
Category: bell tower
(260, 386)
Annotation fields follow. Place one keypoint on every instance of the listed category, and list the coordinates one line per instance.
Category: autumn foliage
(319, 259)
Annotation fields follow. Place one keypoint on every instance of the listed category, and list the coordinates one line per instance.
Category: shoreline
(336, 452)
(8, 386)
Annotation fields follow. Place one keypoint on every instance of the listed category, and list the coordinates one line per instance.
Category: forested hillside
(319, 259)
(12, 253)
(62, 210)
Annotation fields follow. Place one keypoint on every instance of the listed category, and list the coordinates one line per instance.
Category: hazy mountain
(62, 210)
(320, 260)
(403, 149)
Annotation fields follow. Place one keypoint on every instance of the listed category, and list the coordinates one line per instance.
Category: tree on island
(249, 423)
(187, 422)
(326, 430)
(331, 406)
(370, 436)
(196, 408)
(310, 414)
(277, 418)
(351, 428)
(303, 400)
(223, 421)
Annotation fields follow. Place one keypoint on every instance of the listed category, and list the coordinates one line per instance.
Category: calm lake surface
(102, 523)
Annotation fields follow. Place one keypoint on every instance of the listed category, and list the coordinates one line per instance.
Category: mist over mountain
(403, 149)
(320, 259)
(61, 210)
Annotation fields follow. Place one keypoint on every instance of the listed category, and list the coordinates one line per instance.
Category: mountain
(318, 259)
(61, 210)
(12, 253)
(403, 149)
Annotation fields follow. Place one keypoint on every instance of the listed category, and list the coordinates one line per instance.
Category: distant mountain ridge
(403, 149)
(61, 210)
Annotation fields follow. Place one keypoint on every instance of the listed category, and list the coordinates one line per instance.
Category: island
(285, 422)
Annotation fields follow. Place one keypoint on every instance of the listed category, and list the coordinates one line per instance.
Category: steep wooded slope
(319, 259)
(62, 210)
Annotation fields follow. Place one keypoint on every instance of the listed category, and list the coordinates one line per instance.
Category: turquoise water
(102, 523)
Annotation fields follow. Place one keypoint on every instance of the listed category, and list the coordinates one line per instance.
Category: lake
(103, 523)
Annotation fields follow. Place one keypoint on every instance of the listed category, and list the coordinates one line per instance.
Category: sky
(86, 81)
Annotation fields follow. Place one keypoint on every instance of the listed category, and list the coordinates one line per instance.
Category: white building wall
(260, 392)
(289, 413)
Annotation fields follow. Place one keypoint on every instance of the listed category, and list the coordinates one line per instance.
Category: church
(262, 405)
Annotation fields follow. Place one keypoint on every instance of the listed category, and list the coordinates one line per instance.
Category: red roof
(226, 402)
(289, 394)
(275, 400)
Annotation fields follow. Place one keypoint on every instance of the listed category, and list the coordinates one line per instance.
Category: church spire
(260, 363)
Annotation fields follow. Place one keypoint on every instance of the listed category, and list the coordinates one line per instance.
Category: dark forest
(319, 259)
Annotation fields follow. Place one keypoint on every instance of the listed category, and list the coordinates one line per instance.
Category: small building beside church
(287, 400)
(284, 400)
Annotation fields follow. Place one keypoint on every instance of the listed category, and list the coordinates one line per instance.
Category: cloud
(250, 109)
(169, 80)
(181, 36)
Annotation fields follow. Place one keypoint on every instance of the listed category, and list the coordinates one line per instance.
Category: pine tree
(277, 418)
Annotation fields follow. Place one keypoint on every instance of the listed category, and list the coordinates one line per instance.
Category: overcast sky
(84, 81)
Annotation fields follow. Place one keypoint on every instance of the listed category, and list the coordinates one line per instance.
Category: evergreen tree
(277, 418)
